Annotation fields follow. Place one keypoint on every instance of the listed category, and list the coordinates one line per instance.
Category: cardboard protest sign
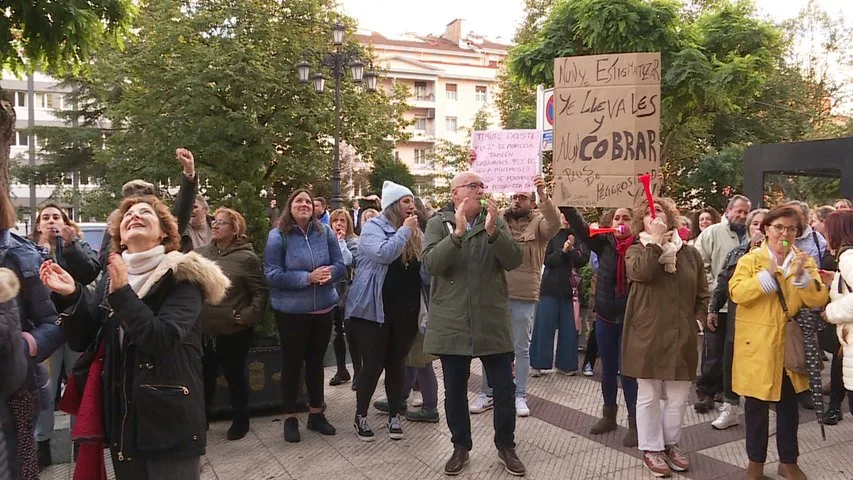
(606, 130)
(507, 159)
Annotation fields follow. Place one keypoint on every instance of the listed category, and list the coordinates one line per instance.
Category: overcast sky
(499, 18)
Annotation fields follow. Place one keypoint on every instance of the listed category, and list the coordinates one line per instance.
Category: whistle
(646, 180)
(483, 202)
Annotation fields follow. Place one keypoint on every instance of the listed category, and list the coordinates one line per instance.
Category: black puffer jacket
(607, 304)
(556, 281)
(153, 390)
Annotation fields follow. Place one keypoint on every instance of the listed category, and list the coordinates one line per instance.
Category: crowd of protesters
(142, 329)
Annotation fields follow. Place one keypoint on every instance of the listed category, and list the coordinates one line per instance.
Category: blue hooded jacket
(286, 268)
(378, 246)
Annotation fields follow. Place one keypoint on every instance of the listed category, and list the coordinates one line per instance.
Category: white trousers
(660, 412)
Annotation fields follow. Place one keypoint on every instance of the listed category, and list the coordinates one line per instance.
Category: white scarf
(672, 243)
(141, 265)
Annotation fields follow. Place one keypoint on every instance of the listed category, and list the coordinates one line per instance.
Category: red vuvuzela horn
(646, 180)
(602, 231)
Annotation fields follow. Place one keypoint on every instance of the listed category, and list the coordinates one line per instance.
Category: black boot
(318, 423)
(291, 430)
(239, 427)
(43, 454)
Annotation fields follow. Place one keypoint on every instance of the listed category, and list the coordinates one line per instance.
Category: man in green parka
(467, 249)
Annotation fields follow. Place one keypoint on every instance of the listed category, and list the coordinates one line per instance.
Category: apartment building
(48, 98)
(450, 77)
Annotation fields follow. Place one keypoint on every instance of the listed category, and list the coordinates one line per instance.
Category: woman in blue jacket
(302, 264)
(384, 302)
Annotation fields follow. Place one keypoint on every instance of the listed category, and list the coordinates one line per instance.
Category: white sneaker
(482, 403)
(417, 400)
(521, 408)
(728, 417)
(568, 373)
(535, 372)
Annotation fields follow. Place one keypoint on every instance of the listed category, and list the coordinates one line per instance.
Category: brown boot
(791, 471)
(607, 422)
(755, 471)
(630, 439)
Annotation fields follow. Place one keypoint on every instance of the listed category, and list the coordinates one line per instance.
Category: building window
(450, 124)
(420, 124)
(20, 99)
(21, 139)
(421, 92)
(40, 100)
(450, 92)
(480, 93)
(420, 156)
(54, 101)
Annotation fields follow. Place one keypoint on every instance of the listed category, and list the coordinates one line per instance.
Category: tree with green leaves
(56, 37)
(386, 168)
(727, 80)
(218, 77)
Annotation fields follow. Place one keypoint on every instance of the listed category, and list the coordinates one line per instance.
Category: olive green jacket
(469, 301)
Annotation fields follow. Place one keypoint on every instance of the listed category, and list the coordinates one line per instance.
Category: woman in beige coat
(668, 294)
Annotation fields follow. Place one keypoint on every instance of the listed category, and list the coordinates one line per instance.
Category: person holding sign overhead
(532, 228)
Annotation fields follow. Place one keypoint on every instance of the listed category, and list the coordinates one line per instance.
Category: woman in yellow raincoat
(758, 369)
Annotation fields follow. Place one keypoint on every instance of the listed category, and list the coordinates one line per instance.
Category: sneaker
(428, 415)
(382, 406)
(482, 403)
(395, 430)
(677, 459)
(657, 464)
(521, 408)
(568, 373)
(340, 378)
(535, 372)
(362, 429)
(705, 404)
(728, 417)
(417, 400)
(587, 370)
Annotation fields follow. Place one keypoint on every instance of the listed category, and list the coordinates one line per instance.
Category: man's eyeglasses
(473, 186)
(778, 228)
(520, 197)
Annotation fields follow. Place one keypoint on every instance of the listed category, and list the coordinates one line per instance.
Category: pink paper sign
(507, 159)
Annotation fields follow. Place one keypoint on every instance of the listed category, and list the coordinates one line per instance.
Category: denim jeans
(554, 313)
(521, 315)
(62, 359)
(609, 338)
(457, 369)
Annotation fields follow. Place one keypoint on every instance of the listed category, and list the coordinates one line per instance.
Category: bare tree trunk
(7, 135)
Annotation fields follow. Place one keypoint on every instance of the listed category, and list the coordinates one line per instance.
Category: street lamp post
(336, 61)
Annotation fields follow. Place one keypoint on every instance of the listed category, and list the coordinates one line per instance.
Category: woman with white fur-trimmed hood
(142, 395)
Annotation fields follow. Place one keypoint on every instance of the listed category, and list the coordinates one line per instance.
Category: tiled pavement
(554, 442)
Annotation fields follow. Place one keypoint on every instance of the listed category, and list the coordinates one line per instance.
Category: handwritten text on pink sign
(507, 159)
